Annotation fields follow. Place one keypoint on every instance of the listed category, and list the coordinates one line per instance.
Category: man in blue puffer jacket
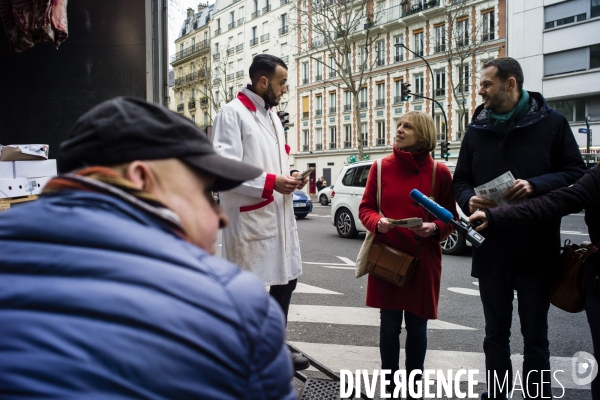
(108, 288)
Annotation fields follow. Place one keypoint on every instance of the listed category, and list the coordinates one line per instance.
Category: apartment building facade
(558, 44)
(328, 129)
(191, 66)
(242, 29)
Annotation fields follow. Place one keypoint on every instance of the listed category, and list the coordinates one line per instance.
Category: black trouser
(283, 295)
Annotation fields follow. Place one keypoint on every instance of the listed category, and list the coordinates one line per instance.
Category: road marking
(573, 233)
(470, 292)
(363, 316)
(348, 264)
(304, 288)
(338, 357)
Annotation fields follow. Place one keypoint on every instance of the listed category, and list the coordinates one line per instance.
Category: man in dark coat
(108, 286)
(515, 130)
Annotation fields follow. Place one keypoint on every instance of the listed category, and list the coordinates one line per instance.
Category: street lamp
(430, 70)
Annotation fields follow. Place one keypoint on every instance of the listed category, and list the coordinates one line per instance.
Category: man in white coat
(262, 236)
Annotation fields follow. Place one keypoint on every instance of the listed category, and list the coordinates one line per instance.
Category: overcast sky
(177, 13)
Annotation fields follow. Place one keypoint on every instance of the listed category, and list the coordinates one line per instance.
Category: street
(329, 320)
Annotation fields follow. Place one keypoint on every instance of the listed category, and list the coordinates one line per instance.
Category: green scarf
(503, 123)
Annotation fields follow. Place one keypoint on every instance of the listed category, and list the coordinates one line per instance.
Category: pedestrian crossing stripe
(304, 288)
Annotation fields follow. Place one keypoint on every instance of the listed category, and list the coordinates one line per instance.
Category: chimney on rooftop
(190, 12)
(202, 6)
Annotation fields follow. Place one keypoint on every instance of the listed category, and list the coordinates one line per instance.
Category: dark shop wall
(44, 90)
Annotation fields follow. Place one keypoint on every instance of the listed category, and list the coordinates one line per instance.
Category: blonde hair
(424, 129)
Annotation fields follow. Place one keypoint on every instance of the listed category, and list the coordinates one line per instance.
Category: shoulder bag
(568, 292)
(387, 262)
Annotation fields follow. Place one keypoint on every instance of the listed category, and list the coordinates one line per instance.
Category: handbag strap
(435, 164)
(379, 164)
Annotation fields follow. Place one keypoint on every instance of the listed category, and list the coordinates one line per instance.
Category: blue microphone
(462, 225)
(438, 211)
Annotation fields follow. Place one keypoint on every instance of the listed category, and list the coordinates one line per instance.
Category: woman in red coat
(409, 167)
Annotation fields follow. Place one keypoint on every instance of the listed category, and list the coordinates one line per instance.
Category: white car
(324, 195)
(346, 197)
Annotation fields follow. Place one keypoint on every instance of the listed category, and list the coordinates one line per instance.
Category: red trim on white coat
(246, 101)
(257, 206)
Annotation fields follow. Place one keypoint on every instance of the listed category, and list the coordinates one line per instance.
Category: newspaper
(495, 189)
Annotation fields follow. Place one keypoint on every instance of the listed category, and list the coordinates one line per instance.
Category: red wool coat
(402, 172)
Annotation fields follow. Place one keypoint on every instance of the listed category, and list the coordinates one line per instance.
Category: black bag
(568, 292)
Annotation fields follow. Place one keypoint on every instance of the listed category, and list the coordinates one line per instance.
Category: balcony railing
(398, 58)
(191, 104)
(216, 81)
(417, 8)
(264, 38)
(255, 14)
(197, 48)
(178, 82)
(230, 51)
(487, 36)
(217, 32)
(216, 56)
(332, 74)
(304, 81)
(380, 141)
(240, 21)
(347, 107)
(239, 47)
(347, 145)
(365, 143)
(266, 9)
(204, 102)
(333, 145)
(283, 30)
(230, 77)
(318, 78)
(253, 42)
(239, 74)
(397, 99)
(319, 146)
(180, 107)
(380, 62)
(231, 25)
(305, 114)
(440, 92)
(283, 2)
(318, 42)
(363, 104)
(439, 48)
(319, 113)
(304, 147)
(332, 110)
(285, 59)
(380, 103)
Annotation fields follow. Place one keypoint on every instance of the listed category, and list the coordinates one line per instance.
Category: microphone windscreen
(438, 211)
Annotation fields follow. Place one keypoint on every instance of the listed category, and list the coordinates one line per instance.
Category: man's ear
(264, 82)
(140, 174)
(512, 83)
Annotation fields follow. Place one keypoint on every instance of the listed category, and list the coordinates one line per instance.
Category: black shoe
(300, 362)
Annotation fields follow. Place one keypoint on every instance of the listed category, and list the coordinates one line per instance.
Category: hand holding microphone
(462, 225)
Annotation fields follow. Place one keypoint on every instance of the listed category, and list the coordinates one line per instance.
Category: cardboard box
(38, 184)
(29, 169)
(15, 188)
(7, 170)
(15, 152)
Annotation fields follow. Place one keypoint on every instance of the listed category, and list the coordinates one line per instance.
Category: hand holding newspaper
(407, 222)
(495, 189)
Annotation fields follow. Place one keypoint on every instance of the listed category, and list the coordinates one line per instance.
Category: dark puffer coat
(584, 194)
(540, 149)
(98, 299)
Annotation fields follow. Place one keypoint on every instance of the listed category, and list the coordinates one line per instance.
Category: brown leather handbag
(391, 264)
(568, 292)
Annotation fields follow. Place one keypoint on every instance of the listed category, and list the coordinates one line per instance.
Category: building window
(440, 127)
(573, 109)
(463, 79)
(381, 133)
(419, 43)
(564, 62)
(347, 100)
(305, 107)
(380, 53)
(194, 118)
(398, 92)
(595, 11)
(347, 136)
(399, 51)
(363, 98)
(488, 26)
(205, 119)
(332, 137)
(332, 103)
(440, 39)
(364, 133)
(305, 73)
(463, 32)
(319, 69)
(319, 139)
(380, 94)
(440, 83)
(462, 122)
(363, 58)
(568, 12)
(319, 105)
(419, 85)
(305, 140)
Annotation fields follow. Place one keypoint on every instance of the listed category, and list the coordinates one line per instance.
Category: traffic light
(284, 117)
(405, 91)
(445, 150)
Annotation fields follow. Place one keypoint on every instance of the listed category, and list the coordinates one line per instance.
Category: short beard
(269, 96)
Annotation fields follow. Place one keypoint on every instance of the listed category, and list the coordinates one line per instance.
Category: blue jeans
(592, 309)
(389, 340)
(497, 298)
